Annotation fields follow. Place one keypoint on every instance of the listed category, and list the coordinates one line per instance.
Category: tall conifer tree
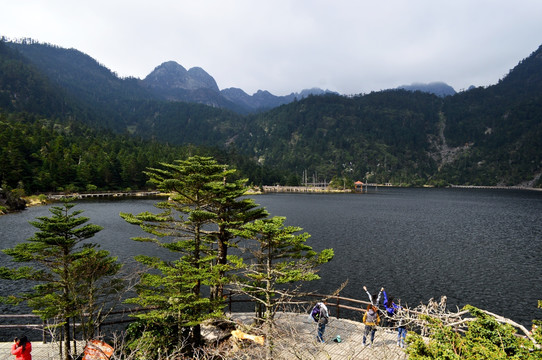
(196, 222)
(280, 257)
(62, 270)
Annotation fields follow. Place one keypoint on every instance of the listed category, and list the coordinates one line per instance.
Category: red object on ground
(97, 350)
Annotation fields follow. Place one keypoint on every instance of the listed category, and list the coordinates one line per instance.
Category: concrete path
(40, 351)
(296, 340)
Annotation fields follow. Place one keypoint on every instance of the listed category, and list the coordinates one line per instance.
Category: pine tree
(279, 257)
(61, 269)
(96, 287)
(232, 212)
(195, 222)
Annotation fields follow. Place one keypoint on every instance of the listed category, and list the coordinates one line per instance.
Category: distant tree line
(39, 155)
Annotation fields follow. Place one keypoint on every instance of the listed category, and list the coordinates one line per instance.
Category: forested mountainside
(48, 143)
(169, 81)
(23, 88)
(378, 137)
(497, 130)
(100, 99)
(484, 136)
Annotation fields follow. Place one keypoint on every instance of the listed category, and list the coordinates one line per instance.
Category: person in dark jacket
(323, 319)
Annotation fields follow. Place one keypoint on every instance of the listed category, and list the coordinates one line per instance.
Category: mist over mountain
(484, 136)
(438, 88)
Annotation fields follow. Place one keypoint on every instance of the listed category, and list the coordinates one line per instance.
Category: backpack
(315, 312)
(371, 317)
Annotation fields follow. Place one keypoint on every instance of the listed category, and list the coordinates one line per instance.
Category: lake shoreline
(34, 200)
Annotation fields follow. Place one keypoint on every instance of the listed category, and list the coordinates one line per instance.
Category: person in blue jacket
(391, 310)
(390, 306)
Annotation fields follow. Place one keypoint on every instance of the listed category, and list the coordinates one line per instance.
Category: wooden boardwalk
(302, 189)
(108, 194)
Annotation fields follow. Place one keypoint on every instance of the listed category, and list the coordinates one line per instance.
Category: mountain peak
(171, 66)
(201, 77)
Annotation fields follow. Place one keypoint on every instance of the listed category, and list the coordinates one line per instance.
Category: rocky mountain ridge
(171, 81)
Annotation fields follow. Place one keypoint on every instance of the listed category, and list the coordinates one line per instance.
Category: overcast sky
(348, 46)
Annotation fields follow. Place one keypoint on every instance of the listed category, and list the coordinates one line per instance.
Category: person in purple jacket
(390, 306)
(391, 310)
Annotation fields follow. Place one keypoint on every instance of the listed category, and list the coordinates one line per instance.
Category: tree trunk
(222, 260)
(67, 340)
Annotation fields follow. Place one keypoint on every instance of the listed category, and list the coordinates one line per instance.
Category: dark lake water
(478, 247)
